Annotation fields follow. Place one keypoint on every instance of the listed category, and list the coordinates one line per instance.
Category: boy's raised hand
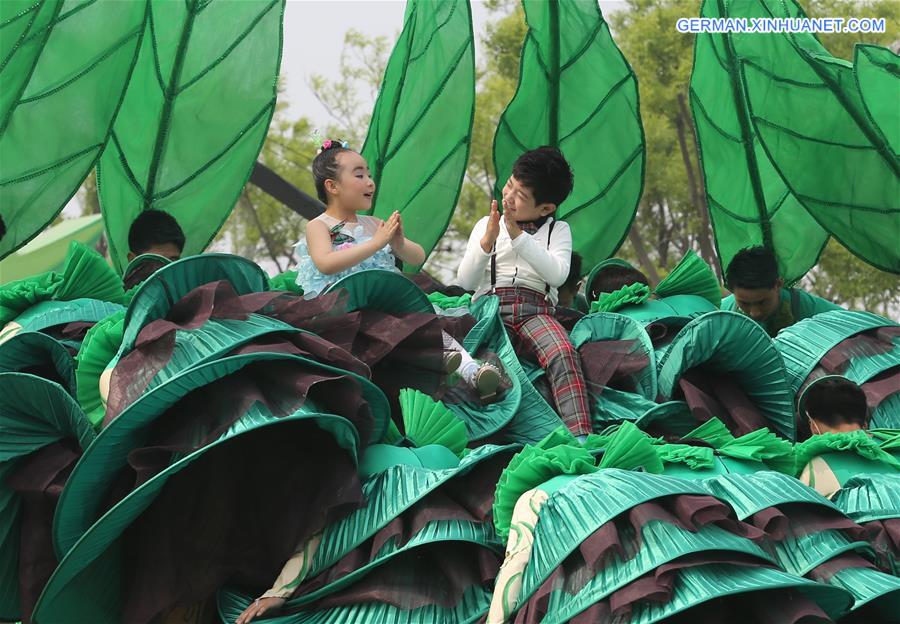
(493, 229)
(387, 230)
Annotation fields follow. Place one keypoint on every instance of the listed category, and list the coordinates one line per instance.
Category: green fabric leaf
(691, 276)
(18, 296)
(633, 294)
(63, 66)
(430, 422)
(47, 251)
(576, 92)
(194, 117)
(858, 442)
(749, 203)
(99, 347)
(876, 71)
(812, 121)
(286, 281)
(446, 302)
(531, 467)
(762, 445)
(418, 141)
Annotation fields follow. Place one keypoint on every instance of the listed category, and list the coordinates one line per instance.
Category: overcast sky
(314, 34)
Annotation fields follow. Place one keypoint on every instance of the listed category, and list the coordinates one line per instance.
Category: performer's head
(753, 277)
(832, 404)
(541, 180)
(156, 232)
(612, 277)
(342, 177)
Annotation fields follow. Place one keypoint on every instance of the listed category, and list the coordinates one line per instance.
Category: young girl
(341, 242)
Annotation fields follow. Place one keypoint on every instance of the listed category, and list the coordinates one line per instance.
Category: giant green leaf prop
(877, 70)
(418, 141)
(194, 117)
(749, 203)
(577, 92)
(813, 122)
(64, 65)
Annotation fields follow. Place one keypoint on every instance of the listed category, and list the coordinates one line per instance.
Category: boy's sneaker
(487, 380)
(452, 360)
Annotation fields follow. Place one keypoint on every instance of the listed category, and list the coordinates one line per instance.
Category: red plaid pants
(530, 316)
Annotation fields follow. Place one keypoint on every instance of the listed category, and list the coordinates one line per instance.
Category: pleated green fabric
(786, 80)
(98, 349)
(286, 281)
(576, 91)
(85, 275)
(31, 350)
(93, 563)
(388, 495)
(803, 344)
(34, 412)
(521, 413)
(385, 291)
(418, 142)
(170, 149)
(49, 314)
(469, 610)
(427, 421)
(601, 326)
(877, 592)
(581, 507)
(156, 296)
(751, 493)
(870, 497)
(799, 554)
(64, 68)
(695, 586)
(749, 203)
(658, 543)
(691, 276)
(80, 503)
(674, 311)
(733, 343)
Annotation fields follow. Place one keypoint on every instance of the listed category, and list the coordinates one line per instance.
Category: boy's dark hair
(325, 167)
(752, 268)
(835, 402)
(547, 173)
(152, 228)
(612, 278)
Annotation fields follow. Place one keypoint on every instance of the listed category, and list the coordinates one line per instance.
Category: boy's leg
(561, 361)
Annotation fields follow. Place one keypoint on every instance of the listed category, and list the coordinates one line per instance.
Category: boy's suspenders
(494, 261)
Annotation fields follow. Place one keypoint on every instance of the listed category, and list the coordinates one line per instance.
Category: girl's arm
(330, 261)
(409, 252)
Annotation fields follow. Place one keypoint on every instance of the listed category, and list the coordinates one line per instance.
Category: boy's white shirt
(526, 261)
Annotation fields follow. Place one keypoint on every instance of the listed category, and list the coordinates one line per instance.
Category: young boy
(759, 292)
(523, 258)
(155, 232)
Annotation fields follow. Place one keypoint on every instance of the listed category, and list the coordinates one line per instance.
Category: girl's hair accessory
(325, 144)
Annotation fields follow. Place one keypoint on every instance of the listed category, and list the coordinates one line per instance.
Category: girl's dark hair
(325, 166)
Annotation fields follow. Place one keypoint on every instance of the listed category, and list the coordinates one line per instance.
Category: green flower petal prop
(761, 445)
(100, 345)
(86, 275)
(446, 302)
(531, 467)
(430, 422)
(632, 294)
(694, 457)
(286, 281)
(691, 276)
(858, 442)
(626, 448)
